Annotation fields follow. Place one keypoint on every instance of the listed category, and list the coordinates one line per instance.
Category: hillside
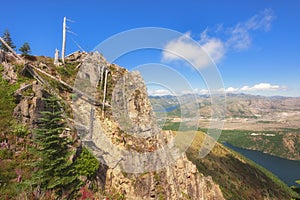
(238, 177)
(106, 122)
(268, 124)
(282, 143)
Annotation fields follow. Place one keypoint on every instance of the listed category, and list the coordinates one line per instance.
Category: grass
(224, 175)
(7, 100)
(68, 72)
(178, 126)
(267, 141)
(174, 126)
(263, 142)
(12, 162)
(238, 177)
(264, 122)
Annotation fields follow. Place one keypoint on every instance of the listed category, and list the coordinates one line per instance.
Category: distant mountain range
(237, 105)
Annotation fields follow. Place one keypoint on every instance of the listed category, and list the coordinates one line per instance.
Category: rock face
(29, 106)
(178, 181)
(76, 56)
(6, 57)
(143, 161)
(9, 73)
(131, 107)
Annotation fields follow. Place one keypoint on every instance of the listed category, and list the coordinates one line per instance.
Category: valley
(267, 124)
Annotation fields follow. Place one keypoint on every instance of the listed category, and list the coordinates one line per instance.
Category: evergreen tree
(25, 49)
(55, 170)
(6, 37)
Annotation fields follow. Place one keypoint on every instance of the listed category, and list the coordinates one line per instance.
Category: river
(287, 170)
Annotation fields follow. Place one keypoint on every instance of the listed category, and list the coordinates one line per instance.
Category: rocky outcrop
(7, 57)
(30, 104)
(143, 161)
(131, 107)
(178, 181)
(76, 56)
(9, 73)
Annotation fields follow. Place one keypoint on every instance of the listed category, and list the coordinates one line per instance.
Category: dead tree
(56, 56)
(11, 50)
(63, 49)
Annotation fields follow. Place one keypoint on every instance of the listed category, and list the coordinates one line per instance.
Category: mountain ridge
(178, 181)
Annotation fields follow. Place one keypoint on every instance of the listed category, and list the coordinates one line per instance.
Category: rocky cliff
(125, 136)
(114, 119)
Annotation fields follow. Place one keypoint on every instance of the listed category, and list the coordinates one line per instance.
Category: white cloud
(245, 88)
(159, 92)
(263, 20)
(256, 88)
(263, 87)
(260, 87)
(200, 91)
(232, 89)
(195, 52)
(203, 91)
(236, 37)
(239, 39)
(240, 34)
(214, 48)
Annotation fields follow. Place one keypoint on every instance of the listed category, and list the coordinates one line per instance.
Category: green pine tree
(25, 49)
(55, 170)
(6, 37)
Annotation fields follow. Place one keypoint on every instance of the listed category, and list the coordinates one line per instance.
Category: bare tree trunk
(10, 49)
(56, 56)
(104, 91)
(72, 89)
(91, 131)
(102, 76)
(124, 93)
(63, 49)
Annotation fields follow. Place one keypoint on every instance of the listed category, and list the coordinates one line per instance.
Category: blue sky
(255, 44)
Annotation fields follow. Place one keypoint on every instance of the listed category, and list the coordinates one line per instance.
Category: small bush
(20, 130)
(86, 164)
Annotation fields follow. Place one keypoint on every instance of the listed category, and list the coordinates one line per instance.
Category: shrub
(86, 164)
